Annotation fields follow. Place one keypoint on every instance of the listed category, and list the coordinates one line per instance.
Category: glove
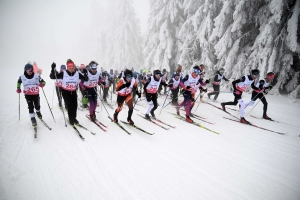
(237, 92)
(18, 90)
(86, 93)
(192, 99)
(270, 87)
(127, 84)
(265, 92)
(188, 87)
(53, 66)
(207, 81)
(138, 94)
(204, 89)
(41, 85)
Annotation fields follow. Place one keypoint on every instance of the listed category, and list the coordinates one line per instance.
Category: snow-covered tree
(123, 37)
(162, 45)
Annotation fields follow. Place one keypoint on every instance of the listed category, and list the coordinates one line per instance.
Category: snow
(187, 162)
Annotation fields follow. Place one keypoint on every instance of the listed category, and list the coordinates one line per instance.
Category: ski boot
(130, 121)
(76, 121)
(147, 117)
(152, 114)
(244, 121)
(39, 114)
(223, 107)
(267, 117)
(116, 117)
(33, 121)
(188, 119)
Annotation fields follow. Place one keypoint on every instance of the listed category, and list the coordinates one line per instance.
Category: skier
(124, 87)
(190, 83)
(240, 86)
(70, 79)
(178, 71)
(113, 78)
(151, 88)
(135, 89)
(216, 84)
(108, 81)
(174, 87)
(89, 86)
(164, 79)
(262, 85)
(58, 85)
(84, 98)
(31, 83)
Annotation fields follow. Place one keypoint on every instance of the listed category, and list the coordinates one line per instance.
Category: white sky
(46, 31)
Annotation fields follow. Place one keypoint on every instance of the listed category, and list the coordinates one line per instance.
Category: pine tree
(162, 44)
(123, 40)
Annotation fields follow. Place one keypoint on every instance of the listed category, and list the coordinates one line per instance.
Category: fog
(47, 31)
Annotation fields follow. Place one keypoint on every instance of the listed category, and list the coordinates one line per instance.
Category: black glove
(192, 99)
(53, 66)
(270, 87)
(204, 89)
(85, 93)
(127, 84)
(188, 87)
(207, 81)
(138, 94)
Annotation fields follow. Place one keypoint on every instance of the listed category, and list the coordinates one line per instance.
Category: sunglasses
(197, 71)
(29, 70)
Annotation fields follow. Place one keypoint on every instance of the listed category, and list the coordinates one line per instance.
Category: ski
(272, 120)
(221, 109)
(153, 122)
(255, 126)
(35, 131)
(134, 126)
(119, 125)
(194, 114)
(78, 132)
(45, 124)
(97, 123)
(163, 122)
(79, 125)
(109, 105)
(196, 117)
(195, 123)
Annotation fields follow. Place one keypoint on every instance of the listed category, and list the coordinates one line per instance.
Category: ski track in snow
(187, 162)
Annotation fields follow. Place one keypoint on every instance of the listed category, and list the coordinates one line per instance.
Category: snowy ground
(187, 162)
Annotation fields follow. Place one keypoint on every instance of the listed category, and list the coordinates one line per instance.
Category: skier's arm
(58, 75)
(42, 81)
(225, 78)
(83, 77)
(181, 84)
(238, 81)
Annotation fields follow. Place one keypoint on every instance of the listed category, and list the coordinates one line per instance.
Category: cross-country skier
(263, 86)
(89, 87)
(70, 79)
(216, 84)
(151, 88)
(240, 86)
(124, 88)
(174, 87)
(31, 83)
(108, 81)
(190, 83)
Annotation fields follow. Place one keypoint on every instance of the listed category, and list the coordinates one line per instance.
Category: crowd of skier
(90, 80)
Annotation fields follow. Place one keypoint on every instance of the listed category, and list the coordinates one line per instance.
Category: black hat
(128, 73)
(196, 67)
(255, 72)
(157, 72)
(28, 66)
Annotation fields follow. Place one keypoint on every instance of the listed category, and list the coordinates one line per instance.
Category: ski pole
(164, 101)
(102, 101)
(19, 106)
(48, 105)
(200, 100)
(60, 96)
(255, 105)
(53, 94)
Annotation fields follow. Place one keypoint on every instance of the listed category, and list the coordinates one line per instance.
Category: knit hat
(63, 67)
(28, 66)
